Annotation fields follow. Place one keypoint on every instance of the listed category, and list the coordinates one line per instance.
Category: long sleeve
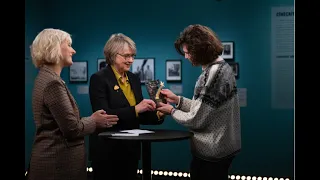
(99, 98)
(59, 103)
(214, 114)
(184, 104)
(196, 113)
(89, 124)
(197, 117)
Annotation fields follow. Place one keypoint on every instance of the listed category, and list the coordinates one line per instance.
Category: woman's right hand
(145, 105)
(103, 119)
(170, 96)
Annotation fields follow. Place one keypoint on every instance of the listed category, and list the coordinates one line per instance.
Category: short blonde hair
(45, 48)
(115, 44)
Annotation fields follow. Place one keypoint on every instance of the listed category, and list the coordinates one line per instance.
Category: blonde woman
(58, 150)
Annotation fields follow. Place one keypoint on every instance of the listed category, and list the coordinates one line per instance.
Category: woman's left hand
(165, 108)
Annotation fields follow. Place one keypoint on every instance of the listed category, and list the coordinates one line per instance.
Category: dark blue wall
(267, 134)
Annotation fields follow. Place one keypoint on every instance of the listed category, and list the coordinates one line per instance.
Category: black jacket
(104, 96)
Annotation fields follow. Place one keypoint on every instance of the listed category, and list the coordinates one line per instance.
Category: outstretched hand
(103, 119)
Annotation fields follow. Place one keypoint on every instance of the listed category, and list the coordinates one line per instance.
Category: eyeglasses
(127, 56)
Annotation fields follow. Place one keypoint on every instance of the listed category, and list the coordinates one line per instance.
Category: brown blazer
(58, 151)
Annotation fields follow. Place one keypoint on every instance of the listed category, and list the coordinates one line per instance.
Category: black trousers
(115, 168)
(205, 170)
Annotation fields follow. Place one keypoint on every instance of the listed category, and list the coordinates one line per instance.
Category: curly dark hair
(202, 44)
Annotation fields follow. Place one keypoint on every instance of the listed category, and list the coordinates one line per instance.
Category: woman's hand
(145, 105)
(165, 108)
(170, 96)
(103, 119)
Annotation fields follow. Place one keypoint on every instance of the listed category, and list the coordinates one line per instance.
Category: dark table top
(158, 135)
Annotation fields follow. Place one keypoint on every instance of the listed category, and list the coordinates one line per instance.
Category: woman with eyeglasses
(118, 91)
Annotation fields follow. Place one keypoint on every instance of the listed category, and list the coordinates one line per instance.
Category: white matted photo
(173, 70)
(228, 50)
(101, 63)
(144, 68)
(78, 72)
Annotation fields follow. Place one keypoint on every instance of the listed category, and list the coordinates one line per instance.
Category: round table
(158, 135)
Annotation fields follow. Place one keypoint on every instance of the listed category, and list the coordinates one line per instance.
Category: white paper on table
(124, 134)
(137, 131)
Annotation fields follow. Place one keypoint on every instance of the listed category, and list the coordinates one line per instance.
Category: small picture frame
(78, 72)
(236, 69)
(144, 68)
(173, 70)
(228, 50)
(101, 62)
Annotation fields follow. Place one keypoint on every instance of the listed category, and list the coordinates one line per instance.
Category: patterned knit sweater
(213, 114)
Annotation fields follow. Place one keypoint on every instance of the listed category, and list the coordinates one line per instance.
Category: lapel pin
(116, 87)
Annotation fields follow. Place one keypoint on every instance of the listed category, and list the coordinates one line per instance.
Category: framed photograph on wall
(144, 68)
(228, 50)
(78, 72)
(173, 70)
(101, 63)
(235, 67)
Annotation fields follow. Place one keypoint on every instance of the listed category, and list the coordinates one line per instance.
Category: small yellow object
(116, 87)
(159, 89)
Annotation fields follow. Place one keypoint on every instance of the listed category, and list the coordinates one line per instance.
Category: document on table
(124, 134)
(132, 132)
(137, 131)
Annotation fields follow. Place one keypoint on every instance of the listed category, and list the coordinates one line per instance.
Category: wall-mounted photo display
(78, 72)
(173, 70)
(144, 68)
(228, 50)
(101, 63)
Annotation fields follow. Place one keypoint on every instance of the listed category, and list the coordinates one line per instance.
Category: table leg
(146, 160)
